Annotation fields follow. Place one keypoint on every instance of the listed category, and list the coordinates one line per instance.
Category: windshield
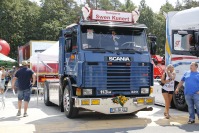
(182, 42)
(113, 38)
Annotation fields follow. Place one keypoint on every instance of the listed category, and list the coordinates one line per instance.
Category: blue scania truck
(104, 66)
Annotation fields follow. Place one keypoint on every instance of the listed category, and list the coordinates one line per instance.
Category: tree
(155, 23)
(128, 6)
(105, 5)
(166, 8)
(18, 22)
(30, 23)
(190, 3)
(55, 15)
(143, 4)
(178, 6)
(146, 15)
(160, 32)
(116, 5)
(23, 20)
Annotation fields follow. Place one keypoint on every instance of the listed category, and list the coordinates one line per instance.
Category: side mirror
(153, 45)
(68, 34)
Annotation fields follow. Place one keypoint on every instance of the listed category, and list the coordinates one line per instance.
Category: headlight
(87, 91)
(144, 90)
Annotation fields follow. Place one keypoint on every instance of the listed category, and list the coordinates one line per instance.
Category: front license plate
(118, 110)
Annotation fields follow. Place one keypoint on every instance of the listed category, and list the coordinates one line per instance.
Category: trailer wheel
(179, 100)
(46, 94)
(68, 102)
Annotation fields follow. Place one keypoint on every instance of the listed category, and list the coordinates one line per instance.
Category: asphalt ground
(46, 119)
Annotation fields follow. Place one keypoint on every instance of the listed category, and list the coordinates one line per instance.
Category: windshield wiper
(130, 50)
(95, 48)
(100, 50)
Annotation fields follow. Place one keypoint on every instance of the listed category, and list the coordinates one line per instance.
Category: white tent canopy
(51, 54)
(6, 58)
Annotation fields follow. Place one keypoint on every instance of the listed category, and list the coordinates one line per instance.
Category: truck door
(71, 54)
(61, 55)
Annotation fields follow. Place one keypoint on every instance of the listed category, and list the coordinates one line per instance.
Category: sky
(154, 4)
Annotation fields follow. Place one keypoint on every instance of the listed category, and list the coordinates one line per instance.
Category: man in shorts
(24, 76)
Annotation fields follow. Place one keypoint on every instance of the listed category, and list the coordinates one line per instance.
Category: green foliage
(166, 8)
(178, 6)
(190, 3)
(18, 22)
(129, 6)
(23, 20)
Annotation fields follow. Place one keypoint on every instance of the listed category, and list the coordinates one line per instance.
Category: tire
(179, 100)
(157, 77)
(33, 92)
(61, 100)
(46, 95)
(172, 101)
(68, 102)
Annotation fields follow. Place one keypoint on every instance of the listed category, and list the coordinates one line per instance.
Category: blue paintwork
(167, 56)
(120, 79)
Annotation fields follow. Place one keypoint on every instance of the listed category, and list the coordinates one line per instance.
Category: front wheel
(179, 100)
(68, 102)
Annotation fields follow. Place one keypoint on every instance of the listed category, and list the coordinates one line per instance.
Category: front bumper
(107, 106)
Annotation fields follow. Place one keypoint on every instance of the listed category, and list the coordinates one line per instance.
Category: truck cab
(104, 66)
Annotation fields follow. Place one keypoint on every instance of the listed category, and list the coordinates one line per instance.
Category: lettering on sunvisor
(112, 58)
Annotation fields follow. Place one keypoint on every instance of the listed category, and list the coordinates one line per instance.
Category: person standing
(24, 76)
(191, 90)
(7, 79)
(168, 79)
(3, 76)
(11, 73)
(1, 87)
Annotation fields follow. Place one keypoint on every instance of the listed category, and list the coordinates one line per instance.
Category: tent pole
(37, 78)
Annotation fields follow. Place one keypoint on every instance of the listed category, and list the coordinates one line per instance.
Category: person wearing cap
(24, 76)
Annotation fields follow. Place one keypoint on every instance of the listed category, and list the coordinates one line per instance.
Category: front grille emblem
(142, 64)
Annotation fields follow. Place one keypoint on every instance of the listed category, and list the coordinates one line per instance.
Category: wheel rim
(66, 101)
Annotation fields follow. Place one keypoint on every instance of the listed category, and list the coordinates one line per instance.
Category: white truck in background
(181, 48)
(47, 70)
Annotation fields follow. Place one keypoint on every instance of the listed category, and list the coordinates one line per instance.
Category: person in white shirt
(168, 79)
(3, 76)
(1, 86)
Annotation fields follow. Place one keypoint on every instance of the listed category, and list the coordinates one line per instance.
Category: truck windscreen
(113, 38)
(182, 42)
